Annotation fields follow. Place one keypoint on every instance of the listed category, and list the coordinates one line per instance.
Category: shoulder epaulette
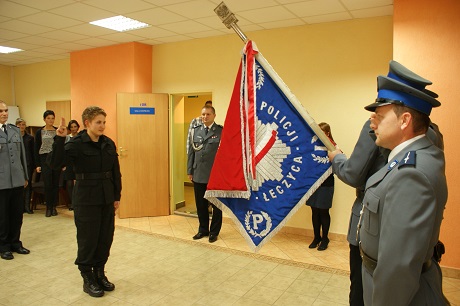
(13, 126)
(408, 159)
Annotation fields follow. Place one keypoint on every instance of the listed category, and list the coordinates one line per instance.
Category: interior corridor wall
(330, 67)
(6, 89)
(34, 84)
(426, 38)
(97, 75)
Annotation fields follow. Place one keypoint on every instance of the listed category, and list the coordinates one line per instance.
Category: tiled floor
(154, 261)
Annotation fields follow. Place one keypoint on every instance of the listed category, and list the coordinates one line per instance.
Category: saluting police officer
(13, 179)
(96, 195)
(404, 201)
(205, 139)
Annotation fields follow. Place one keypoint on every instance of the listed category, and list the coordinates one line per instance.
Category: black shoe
(28, 210)
(6, 255)
(323, 244)
(314, 243)
(54, 212)
(48, 212)
(199, 236)
(212, 238)
(21, 250)
(90, 284)
(102, 280)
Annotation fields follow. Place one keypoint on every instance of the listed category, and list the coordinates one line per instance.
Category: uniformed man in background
(13, 179)
(204, 142)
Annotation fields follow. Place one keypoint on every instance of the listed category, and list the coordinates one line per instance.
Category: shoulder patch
(12, 126)
(408, 159)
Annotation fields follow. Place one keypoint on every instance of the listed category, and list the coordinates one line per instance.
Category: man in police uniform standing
(404, 201)
(13, 179)
(366, 159)
(204, 142)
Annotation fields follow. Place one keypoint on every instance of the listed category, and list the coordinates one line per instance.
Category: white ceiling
(51, 29)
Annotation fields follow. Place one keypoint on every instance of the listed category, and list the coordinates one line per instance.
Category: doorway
(185, 107)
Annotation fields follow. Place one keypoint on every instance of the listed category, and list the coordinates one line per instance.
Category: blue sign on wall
(142, 111)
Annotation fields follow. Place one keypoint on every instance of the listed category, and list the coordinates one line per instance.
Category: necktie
(4, 129)
(206, 129)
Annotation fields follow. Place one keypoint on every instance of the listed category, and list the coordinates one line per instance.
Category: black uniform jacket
(91, 159)
(30, 156)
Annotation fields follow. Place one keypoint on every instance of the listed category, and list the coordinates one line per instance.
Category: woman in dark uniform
(97, 193)
(68, 175)
(320, 203)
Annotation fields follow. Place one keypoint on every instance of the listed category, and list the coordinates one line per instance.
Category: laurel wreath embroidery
(263, 233)
(320, 159)
(260, 77)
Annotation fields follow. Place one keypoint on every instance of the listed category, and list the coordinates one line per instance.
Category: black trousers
(321, 220)
(28, 195)
(11, 210)
(203, 214)
(69, 184)
(95, 228)
(356, 287)
(51, 180)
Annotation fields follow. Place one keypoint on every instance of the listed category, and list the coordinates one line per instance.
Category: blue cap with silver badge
(404, 87)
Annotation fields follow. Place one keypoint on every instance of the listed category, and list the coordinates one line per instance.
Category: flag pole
(230, 20)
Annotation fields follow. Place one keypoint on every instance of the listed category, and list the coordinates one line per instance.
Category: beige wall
(331, 68)
(6, 85)
(37, 83)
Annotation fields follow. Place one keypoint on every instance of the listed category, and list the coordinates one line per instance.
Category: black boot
(54, 211)
(102, 279)
(323, 245)
(90, 285)
(27, 209)
(48, 212)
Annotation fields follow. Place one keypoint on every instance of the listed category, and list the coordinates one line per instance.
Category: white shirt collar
(208, 126)
(402, 145)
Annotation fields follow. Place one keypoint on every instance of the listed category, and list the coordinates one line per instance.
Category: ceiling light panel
(120, 23)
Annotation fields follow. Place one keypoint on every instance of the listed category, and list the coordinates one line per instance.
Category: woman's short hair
(19, 120)
(47, 113)
(73, 122)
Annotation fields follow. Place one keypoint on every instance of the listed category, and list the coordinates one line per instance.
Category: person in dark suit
(97, 193)
(28, 141)
(320, 202)
(404, 201)
(204, 142)
(13, 179)
(43, 146)
(68, 174)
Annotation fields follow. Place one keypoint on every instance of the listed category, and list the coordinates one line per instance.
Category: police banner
(270, 160)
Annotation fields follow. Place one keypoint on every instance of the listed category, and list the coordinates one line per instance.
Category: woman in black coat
(320, 203)
(97, 193)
